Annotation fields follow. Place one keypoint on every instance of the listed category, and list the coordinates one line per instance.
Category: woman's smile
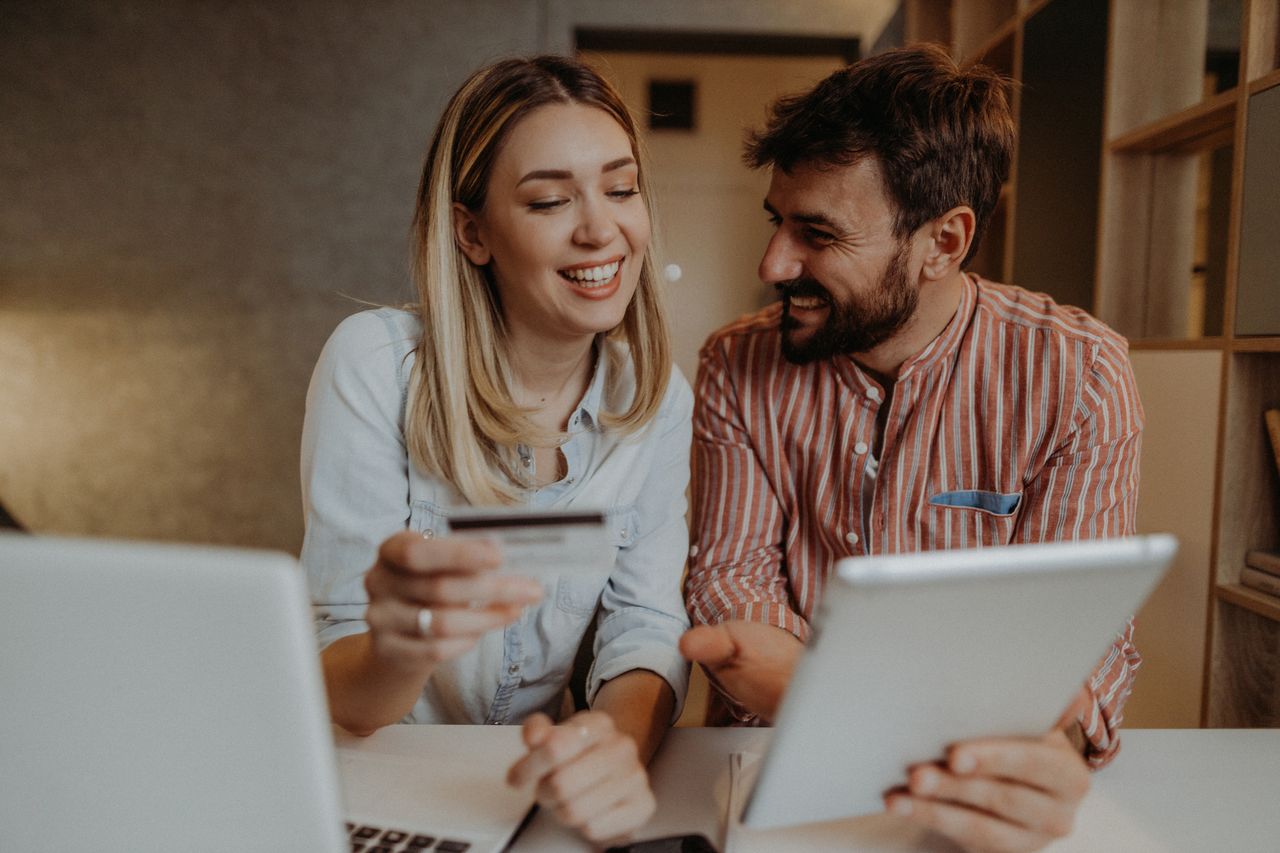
(594, 279)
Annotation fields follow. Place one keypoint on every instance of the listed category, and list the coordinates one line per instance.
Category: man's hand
(1001, 794)
(587, 773)
(749, 661)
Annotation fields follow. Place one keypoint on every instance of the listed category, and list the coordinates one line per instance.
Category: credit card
(540, 542)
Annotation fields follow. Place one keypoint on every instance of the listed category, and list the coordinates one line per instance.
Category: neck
(547, 370)
(938, 303)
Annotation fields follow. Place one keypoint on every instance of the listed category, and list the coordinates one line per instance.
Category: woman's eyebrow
(617, 164)
(546, 175)
(565, 175)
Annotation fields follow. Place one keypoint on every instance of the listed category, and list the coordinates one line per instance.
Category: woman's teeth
(593, 276)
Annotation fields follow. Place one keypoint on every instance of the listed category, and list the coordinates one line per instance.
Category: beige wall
(1180, 395)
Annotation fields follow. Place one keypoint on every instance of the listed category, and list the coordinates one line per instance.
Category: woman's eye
(627, 193)
(547, 204)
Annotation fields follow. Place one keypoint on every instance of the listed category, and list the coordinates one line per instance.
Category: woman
(534, 371)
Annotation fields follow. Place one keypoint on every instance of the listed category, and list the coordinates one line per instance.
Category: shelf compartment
(1270, 343)
(997, 51)
(1257, 296)
(974, 22)
(1265, 82)
(1264, 39)
(1209, 124)
(1266, 606)
(1164, 250)
(1245, 687)
(1249, 506)
(1167, 56)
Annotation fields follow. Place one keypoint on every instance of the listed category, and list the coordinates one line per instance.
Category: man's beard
(855, 326)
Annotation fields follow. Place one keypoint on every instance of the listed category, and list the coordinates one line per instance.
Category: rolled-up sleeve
(355, 478)
(642, 609)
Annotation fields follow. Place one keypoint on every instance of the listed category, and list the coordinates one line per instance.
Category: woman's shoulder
(677, 400)
(377, 327)
(372, 349)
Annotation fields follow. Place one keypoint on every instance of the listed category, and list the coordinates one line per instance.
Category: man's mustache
(801, 287)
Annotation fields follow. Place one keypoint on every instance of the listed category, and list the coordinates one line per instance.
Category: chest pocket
(579, 594)
(977, 516)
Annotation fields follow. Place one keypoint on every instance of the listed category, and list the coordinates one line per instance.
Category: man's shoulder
(758, 332)
(1007, 304)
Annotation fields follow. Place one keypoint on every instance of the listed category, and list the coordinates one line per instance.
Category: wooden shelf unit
(1176, 248)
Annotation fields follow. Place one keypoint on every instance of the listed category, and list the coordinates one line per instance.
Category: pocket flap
(996, 503)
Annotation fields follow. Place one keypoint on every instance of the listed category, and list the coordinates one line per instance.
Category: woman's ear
(466, 232)
(950, 236)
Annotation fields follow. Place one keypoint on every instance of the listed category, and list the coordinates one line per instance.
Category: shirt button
(851, 538)
(514, 668)
(873, 393)
(693, 551)
(623, 533)
(860, 448)
(428, 534)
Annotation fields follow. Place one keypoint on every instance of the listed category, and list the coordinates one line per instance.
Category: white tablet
(913, 652)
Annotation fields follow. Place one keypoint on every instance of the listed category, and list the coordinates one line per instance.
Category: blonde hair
(462, 424)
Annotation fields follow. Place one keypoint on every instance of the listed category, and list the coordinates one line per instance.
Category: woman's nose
(596, 226)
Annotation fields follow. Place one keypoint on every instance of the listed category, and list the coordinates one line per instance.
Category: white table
(1169, 790)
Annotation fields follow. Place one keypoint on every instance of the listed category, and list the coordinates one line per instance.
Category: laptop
(913, 652)
(160, 697)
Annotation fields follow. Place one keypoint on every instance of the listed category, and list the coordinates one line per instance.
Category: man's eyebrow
(819, 219)
(566, 175)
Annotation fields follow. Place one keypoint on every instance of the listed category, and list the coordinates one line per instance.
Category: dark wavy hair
(943, 136)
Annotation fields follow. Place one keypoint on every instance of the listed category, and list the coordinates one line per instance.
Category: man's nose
(780, 262)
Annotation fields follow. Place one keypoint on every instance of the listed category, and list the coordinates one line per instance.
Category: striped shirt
(1019, 423)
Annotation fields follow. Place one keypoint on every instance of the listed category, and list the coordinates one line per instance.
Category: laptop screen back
(160, 697)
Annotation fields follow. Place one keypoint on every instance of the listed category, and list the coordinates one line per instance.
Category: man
(892, 402)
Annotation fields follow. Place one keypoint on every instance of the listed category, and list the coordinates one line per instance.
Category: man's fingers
(407, 551)
(709, 645)
(972, 829)
(1049, 763)
(1027, 807)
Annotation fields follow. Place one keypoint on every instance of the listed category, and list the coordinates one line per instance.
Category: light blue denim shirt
(359, 487)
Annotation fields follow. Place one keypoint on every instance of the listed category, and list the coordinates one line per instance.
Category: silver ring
(424, 622)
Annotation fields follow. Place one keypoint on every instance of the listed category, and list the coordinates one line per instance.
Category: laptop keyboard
(377, 839)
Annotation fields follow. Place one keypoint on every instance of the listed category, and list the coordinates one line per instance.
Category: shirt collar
(593, 399)
(944, 346)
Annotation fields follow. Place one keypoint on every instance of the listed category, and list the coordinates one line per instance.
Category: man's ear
(950, 236)
(466, 232)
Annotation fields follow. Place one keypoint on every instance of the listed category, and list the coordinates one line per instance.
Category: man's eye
(547, 204)
(621, 194)
(818, 236)
(775, 221)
